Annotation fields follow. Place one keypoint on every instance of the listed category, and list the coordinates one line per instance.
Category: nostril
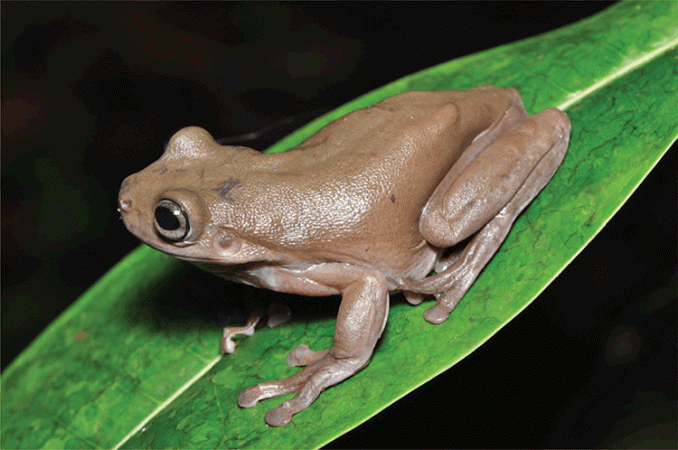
(124, 205)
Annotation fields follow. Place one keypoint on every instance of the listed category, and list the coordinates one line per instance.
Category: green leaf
(109, 373)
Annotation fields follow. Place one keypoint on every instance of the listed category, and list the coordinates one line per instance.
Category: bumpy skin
(365, 206)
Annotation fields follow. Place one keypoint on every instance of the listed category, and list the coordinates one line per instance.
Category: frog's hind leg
(545, 135)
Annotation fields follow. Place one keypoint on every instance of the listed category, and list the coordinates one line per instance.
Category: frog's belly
(326, 278)
(297, 279)
(412, 262)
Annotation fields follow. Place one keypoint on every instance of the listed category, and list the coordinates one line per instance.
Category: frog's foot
(360, 322)
(308, 384)
(227, 345)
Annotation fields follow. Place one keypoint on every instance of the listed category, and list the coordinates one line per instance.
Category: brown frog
(372, 203)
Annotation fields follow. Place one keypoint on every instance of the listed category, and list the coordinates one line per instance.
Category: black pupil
(166, 219)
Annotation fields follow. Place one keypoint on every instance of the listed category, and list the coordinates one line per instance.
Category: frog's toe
(227, 345)
(414, 298)
(308, 384)
(279, 416)
(253, 394)
(304, 356)
(282, 415)
(249, 397)
(445, 303)
(306, 395)
(437, 314)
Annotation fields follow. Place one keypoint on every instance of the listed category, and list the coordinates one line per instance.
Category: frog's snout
(124, 205)
(130, 216)
(125, 210)
(125, 196)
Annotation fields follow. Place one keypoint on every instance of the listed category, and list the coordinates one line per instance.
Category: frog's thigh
(456, 280)
(494, 176)
(360, 322)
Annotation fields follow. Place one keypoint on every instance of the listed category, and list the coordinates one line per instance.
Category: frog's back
(408, 135)
(360, 183)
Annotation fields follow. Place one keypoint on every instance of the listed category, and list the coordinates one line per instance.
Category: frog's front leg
(360, 322)
(484, 201)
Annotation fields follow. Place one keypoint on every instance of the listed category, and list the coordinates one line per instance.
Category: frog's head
(185, 204)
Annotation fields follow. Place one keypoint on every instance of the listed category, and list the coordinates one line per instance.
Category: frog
(414, 194)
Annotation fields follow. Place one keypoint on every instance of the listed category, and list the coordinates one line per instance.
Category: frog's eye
(171, 220)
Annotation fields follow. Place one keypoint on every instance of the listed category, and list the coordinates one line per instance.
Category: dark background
(91, 92)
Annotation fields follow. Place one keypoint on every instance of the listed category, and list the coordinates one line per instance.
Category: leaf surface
(109, 372)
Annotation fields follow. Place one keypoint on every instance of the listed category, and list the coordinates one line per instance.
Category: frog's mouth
(187, 251)
(194, 252)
